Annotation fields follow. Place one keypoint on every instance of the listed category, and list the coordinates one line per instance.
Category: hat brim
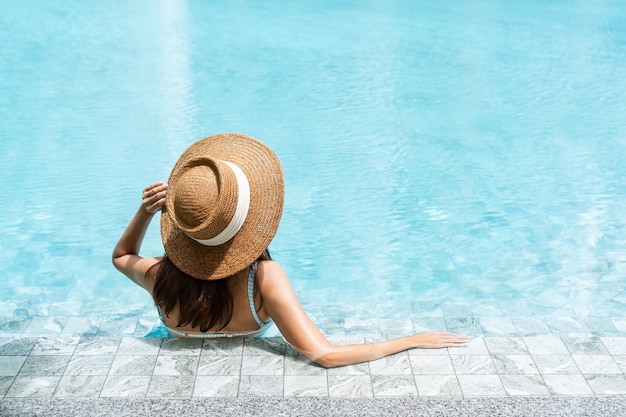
(265, 176)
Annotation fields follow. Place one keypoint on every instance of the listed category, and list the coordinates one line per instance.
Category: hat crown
(223, 205)
(204, 199)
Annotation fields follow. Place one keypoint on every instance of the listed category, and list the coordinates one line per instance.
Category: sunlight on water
(438, 153)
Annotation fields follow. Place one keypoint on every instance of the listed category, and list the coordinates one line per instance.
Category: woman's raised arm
(282, 305)
(126, 253)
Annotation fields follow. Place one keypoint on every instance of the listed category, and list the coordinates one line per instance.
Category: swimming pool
(443, 161)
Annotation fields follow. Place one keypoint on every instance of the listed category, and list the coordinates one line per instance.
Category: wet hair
(204, 304)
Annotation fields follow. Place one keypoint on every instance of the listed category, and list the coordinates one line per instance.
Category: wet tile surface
(494, 364)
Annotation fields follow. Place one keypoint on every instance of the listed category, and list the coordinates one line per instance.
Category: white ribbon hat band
(243, 204)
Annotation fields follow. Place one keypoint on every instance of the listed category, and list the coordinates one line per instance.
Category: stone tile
(393, 385)
(306, 386)
(486, 310)
(81, 386)
(362, 327)
(556, 364)
(565, 325)
(621, 362)
(123, 386)
(133, 365)
(497, 326)
(65, 345)
(506, 345)
(394, 306)
(607, 384)
(524, 385)
(232, 346)
(472, 364)
(81, 326)
(219, 365)
(216, 386)
(11, 365)
(69, 309)
(14, 326)
(366, 310)
(601, 326)
(437, 385)
(615, 345)
(350, 386)
(529, 326)
(53, 365)
(427, 309)
(457, 309)
(475, 346)
(481, 385)
(332, 326)
(52, 326)
(467, 326)
(137, 346)
(432, 365)
(117, 326)
(356, 369)
(620, 324)
(97, 309)
(300, 365)
(393, 327)
(584, 346)
(567, 385)
(261, 346)
(290, 351)
(514, 364)
(176, 365)
(545, 345)
(89, 365)
(5, 383)
(596, 364)
(144, 328)
(180, 347)
(16, 346)
(165, 386)
(97, 346)
(428, 324)
(261, 386)
(432, 352)
(263, 365)
(33, 386)
(398, 364)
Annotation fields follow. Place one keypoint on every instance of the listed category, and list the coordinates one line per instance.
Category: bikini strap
(251, 293)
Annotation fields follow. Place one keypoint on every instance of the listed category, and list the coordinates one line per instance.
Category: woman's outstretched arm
(126, 253)
(282, 305)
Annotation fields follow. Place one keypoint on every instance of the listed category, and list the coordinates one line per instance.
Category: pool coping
(409, 406)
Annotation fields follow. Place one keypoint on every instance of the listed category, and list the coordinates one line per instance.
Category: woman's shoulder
(268, 267)
(269, 274)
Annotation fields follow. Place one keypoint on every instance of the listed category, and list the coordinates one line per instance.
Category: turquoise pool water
(442, 159)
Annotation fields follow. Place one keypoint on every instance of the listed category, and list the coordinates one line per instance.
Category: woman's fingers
(440, 339)
(153, 189)
(153, 197)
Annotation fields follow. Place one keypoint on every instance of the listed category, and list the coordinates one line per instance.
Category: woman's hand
(153, 197)
(436, 340)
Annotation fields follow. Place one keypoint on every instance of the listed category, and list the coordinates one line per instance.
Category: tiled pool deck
(517, 362)
(559, 365)
(114, 367)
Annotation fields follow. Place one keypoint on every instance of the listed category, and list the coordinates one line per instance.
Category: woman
(220, 210)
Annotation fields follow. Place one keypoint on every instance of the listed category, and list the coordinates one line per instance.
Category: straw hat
(224, 202)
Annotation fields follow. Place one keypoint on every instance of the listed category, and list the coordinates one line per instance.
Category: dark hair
(203, 303)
